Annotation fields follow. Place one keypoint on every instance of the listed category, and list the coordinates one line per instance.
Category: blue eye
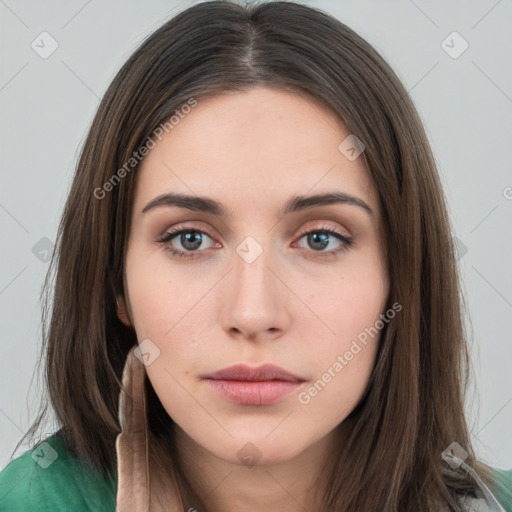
(319, 239)
(192, 239)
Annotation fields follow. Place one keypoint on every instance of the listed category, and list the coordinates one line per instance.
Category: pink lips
(261, 385)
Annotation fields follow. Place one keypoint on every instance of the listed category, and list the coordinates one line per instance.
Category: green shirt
(48, 479)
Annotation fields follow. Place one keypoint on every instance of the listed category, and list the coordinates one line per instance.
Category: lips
(261, 385)
(266, 372)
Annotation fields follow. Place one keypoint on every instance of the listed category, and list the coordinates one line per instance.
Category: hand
(132, 447)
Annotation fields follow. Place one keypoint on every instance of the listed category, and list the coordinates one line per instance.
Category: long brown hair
(414, 405)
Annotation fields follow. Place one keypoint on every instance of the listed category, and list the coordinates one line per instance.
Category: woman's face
(252, 287)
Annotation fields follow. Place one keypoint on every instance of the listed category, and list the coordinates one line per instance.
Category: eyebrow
(295, 204)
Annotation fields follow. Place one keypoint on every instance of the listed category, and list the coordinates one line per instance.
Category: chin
(255, 451)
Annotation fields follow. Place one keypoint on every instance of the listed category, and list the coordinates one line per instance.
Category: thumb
(131, 443)
(134, 465)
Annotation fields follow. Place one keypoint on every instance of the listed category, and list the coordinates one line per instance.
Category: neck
(228, 486)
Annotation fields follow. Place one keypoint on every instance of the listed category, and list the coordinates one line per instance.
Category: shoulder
(47, 478)
(502, 487)
(498, 498)
(476, 505)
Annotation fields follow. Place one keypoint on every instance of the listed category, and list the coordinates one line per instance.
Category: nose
(254, 299)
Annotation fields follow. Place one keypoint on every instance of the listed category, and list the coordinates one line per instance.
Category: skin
(293, 306)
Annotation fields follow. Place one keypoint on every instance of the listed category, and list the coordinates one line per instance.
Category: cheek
(344, 358)
(165, 310)
(159, 295)
(150, 308)
(350, 305)
(351, 302)
(337, 390)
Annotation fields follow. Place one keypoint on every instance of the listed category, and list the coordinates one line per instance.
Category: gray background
(465, 103)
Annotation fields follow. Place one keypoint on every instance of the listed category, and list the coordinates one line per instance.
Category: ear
(122, 312)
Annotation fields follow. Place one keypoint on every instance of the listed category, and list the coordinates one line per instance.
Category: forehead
(260, 145)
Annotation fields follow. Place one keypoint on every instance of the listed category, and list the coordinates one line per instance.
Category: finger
(132, 491)
(131, 400)
(132, 485)
(131, 448)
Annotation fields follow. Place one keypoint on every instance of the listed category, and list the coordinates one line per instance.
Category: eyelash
(346, 242)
